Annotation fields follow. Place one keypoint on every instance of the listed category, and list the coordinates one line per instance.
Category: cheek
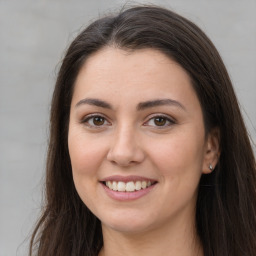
(86, 156)
(179, 157)
(86, 153)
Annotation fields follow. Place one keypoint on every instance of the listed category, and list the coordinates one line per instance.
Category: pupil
(98, 120)
(160, 121)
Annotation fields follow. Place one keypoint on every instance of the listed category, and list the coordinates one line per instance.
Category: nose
(125, 148)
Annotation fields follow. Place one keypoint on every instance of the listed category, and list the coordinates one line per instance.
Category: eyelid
(86, 118)
(171, 120)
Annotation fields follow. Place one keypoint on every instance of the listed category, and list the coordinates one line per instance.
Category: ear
(212, 151)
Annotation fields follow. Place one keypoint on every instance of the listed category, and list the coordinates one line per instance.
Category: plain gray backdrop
(33, 37)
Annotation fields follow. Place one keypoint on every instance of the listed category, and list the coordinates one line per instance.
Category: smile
(130, 186)
(126, 188)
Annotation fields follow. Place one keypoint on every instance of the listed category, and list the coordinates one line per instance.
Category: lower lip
(127, 196)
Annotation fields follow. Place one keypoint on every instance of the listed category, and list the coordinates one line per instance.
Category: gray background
(33, 37)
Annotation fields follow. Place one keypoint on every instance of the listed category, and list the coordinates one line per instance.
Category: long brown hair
(226, 205)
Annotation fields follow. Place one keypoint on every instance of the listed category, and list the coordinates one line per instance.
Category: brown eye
(160, 121)
(95, 121)
(98, 120)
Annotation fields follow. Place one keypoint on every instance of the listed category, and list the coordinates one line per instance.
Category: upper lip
(127, 178)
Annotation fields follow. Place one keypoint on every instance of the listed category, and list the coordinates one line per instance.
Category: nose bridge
(125, 138)
(125, 148)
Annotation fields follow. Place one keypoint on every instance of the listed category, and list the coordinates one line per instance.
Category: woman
(148, 151)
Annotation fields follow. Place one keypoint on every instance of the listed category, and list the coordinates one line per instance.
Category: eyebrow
(94, 102)
(159, 102)
(141, 106)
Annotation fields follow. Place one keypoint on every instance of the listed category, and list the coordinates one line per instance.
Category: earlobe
(212, 151)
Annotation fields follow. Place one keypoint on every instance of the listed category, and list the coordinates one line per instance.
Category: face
(136, 140)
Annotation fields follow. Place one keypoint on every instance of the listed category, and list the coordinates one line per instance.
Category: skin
(127, 141)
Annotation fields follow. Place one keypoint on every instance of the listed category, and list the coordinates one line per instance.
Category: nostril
(125, 157)
(124, 150)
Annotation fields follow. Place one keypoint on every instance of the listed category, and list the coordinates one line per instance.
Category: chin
(126, 228)
(128, 223)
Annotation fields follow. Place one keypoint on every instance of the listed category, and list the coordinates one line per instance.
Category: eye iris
(160, 121)
(97, 120)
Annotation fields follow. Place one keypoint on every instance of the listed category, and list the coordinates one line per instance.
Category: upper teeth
(127, 186)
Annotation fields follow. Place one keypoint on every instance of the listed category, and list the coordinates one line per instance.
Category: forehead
(120, 76)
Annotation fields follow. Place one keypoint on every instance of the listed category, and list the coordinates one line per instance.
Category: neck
(178, 240)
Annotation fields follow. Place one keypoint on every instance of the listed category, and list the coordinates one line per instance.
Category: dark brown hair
(226, 205)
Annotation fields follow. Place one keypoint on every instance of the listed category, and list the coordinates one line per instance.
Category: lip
(126, 178)
(127, 196)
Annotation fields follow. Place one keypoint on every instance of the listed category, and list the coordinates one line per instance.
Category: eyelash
(92, 118)
(165, 118)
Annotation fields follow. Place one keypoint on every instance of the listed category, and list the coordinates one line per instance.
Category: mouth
(129, 186)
